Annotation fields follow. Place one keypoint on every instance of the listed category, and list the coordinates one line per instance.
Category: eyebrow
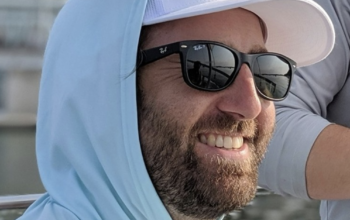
(258, 49)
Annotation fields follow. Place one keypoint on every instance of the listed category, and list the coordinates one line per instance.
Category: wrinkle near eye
(172, 72)
(174, 58)
(172, 63)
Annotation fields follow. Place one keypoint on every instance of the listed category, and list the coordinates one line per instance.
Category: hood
(88, 149)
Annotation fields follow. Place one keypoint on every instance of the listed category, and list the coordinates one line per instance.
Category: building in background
(24, 30)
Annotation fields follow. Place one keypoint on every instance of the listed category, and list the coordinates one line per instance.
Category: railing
(12, 207)
(17, 201)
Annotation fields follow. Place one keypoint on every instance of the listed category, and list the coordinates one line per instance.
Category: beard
(193, 185)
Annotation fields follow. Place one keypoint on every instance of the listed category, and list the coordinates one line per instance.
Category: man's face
(202, 149)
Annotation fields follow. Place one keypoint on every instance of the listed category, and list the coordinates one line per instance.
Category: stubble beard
(196, 186)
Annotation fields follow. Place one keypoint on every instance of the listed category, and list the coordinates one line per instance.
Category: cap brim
(299, 29)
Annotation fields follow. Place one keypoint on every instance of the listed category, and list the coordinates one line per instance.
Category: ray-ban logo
(163, 50)
(198, 47)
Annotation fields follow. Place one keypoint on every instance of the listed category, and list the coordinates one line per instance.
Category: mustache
(225, 124)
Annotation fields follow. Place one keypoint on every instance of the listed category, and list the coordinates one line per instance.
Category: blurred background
(24, 29)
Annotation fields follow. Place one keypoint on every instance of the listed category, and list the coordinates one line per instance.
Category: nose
(240, 99)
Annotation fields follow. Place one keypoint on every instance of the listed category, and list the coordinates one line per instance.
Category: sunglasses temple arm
(154, 54)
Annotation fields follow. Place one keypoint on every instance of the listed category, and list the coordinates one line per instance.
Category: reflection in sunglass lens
(210, 66)
(272, 76)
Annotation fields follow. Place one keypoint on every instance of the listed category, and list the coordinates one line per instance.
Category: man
(166, 144)
(309, 154)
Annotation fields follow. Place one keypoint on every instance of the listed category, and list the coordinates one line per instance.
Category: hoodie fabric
(88, 149)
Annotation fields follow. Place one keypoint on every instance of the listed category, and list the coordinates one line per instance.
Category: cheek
(267, 117)
(165, 88)
(182, 103)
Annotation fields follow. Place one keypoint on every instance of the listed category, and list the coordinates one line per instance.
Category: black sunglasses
(212, 66)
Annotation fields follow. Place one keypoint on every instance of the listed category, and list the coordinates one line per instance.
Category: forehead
(238, 28)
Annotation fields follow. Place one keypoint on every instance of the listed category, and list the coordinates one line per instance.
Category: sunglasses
(212, 66)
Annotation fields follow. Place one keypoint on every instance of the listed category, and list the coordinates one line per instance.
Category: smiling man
(202, 148)
(171, 123)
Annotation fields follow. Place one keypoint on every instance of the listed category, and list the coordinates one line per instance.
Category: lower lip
(241, 153)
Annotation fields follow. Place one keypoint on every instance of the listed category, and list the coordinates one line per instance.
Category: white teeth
(211, 140)
(228, 142)
(237, 142)
(219, 141)
(222, 141)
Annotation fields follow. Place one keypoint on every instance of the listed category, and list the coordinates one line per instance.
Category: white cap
(298, 29)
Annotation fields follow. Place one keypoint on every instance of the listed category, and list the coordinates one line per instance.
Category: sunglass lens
(272, 76)
(210, 66)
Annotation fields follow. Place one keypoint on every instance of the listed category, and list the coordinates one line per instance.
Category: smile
(220, 141)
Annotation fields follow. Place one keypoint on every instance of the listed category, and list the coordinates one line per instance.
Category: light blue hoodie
(88, 148)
